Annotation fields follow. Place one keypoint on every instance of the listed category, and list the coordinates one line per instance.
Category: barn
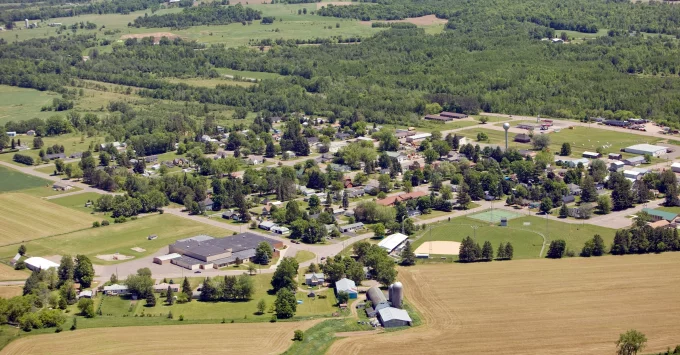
(391, 317)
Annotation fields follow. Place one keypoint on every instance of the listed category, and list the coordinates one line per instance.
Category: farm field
(13, 180)
(262, 338)
(7, 273)
(24, 217)
(20, 104)
(77, 201)
(535, 306)
(71, 142)
(581, 139)
(10, 291)
(115, 237)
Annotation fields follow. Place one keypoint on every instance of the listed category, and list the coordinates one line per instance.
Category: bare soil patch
(138, 249)
(439, 247)
(539, 306)
(114, 257)
(418, 21)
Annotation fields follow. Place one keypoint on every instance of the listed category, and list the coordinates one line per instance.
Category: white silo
(390, 293)
(26, 22)
(397, 294)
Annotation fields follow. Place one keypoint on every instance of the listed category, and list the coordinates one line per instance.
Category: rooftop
(669, 216)
(392, 241)
(390, 313)
(214, 246)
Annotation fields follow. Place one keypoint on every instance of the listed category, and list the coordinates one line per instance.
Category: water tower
(397, 294)
(506, 127)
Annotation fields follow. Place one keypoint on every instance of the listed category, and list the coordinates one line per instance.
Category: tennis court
(494, 216)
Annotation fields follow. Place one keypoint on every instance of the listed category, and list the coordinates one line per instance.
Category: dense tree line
(107, 7)
(229, 288)
(643, 239)
(200, 15)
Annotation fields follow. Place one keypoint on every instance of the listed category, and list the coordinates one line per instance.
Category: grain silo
(389, 292)
(397, 294)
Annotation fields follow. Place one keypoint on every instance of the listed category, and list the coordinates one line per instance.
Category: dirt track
(571, 306)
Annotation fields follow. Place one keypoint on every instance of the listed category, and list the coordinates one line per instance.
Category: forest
(201, 15)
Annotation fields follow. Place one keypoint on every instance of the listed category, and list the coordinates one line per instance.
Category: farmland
(77, 202)
(526, 239)
(10, 291)
(262, 338)
(72, 143)
(23, 218)
(115, 237)
(7, 273)
(13, 180)
(21, 104)
(535, 306)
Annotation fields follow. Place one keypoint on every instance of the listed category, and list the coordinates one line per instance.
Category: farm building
(115, 290)
(267, 225)
(38, 263)
(614, 156)
(675, 167)
(453, 115)
(391, 317)
(438, 118)
(161, 287)
(378, 301)
(165, 259)
(280, 230)
(658, 215)
(347, 285)
(616, 165)
(634, 161)
(591, 155)
(392, 242)
(642, 149)
(522, 138)
(61, 186)
(631, 174)
(207, 252)
(418, 137)
(351, 227)
(314, 279)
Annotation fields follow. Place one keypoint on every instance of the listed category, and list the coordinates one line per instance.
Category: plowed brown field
(569, 306)
(249, 338)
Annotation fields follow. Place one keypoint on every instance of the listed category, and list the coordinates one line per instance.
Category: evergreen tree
(564, 211)
(621, 193)
(186, 289)
(270, 150)
(588, 190)
(463, 196)
(566, 149)
(509, 251)
(500, 254)
(487, 251)
(671, 198)
(32, 282)
(263, 253)
(469, 251)
(208, 290)
(22, 250)
(151, 300)
(408, 257)
(345, 200)
(598, 246)
(66, 269)
(84, 272)
(170, 296)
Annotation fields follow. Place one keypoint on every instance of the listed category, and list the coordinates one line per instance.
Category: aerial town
(322, 177)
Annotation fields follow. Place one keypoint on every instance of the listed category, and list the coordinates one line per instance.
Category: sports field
(568, 306)
(495, 216)
(24, 217)
(251, 338)
(13, 180)
(115, 237)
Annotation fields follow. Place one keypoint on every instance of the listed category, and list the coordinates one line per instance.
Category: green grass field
(581, 139)
(12, 180)
(77, 202)
(248, 74)
(304, 255)
(71, 142)
(118, 237)
(524, 238)
(319, 338)
(20, 104)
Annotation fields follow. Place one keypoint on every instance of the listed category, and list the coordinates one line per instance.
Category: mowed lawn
(77, 202)
(524, 233)
(24, 218)
(252, 339)
(566, 306)
(246, 310)
(7, 273)
(12, 180)
(580, 138)
(117, 237)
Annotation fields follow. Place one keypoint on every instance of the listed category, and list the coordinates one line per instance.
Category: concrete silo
(389, 292)
(397, 294)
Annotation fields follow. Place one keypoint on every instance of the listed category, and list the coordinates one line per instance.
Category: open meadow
(24, 218)
(115, 238)
(567, 306)
(252, 338)
(13, 180)
(20, 104)
(7, 273)
(11, 291)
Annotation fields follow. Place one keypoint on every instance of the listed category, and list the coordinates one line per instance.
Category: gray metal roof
(391, 313)
(346, 285)
(376, 296)
(213, 246)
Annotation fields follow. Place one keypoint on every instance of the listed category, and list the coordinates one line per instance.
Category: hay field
(7, 273)
(11, 291)
(251, 338)
(24, 217)
(568, 306)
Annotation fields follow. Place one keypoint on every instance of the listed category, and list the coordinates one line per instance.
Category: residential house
(351, 227)
(116, 290)
(266, 225)
(255, 160)
(342, 168)
(391, 200)
(314, 279)
(162, 287)
(574, 189)
(658, 215)
(30, 132)
(280, 230)
(400, 156)
(371, 186)
(151, 158)
(206, 204)
(343, 136)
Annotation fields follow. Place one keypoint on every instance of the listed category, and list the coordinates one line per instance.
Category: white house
(116, 289)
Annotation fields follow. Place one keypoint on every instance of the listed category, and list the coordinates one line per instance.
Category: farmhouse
(38, 263)
(392, 242)
(347, 285)
(351, 227)
(161, 287)
(61, 186)
(115, 290)
(314, 279)
(166, 259)
(391, 317)
(207, 252)
(643, 149)
(522, 138)
(658, 215)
